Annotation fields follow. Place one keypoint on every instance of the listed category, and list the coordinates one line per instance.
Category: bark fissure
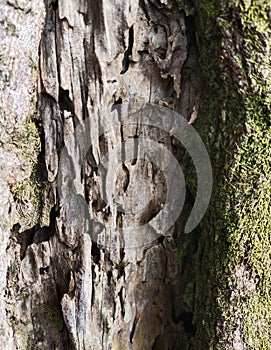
(97, 292)
(128, 53)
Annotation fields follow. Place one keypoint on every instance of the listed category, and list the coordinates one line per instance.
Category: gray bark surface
(62, 285)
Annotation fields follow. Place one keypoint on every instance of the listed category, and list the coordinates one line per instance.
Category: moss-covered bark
(205, 290)
(233, 295)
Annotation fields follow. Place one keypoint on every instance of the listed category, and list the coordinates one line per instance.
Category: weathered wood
(75, 292)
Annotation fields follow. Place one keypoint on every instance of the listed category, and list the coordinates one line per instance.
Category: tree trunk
(86, 260)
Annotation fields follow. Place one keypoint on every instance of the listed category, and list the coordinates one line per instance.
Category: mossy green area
(48, 315)
(29, 193)
(233, 295)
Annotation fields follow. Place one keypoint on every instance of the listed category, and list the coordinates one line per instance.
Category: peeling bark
(69, 72)
(71, 291)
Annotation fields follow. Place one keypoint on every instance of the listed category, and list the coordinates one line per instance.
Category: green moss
(3, 58)
(233, 289)
(22, 339)
(45, 313)
(13, 274)
(11, 29)
(46, 319)
(176, 4)
(23, 293)
(28, 193)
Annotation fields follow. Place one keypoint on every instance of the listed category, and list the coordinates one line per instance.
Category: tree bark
(70, 279)
(76, 291)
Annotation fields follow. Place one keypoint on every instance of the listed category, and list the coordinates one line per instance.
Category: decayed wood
(82, 294)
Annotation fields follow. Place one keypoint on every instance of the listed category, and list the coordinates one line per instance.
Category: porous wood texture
(73, 283)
